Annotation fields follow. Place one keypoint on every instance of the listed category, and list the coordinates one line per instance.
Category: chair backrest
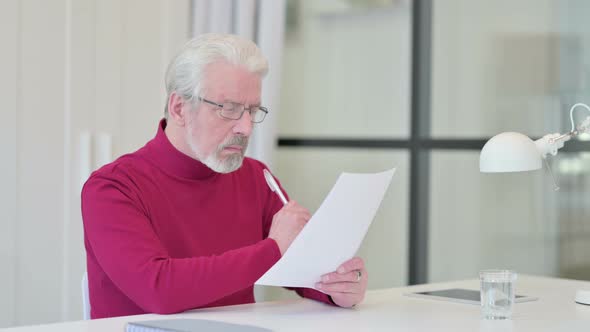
(85, 296)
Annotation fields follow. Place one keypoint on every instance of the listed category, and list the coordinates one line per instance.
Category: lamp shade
(509, 152)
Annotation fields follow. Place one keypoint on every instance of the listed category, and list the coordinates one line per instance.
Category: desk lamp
(515, 152)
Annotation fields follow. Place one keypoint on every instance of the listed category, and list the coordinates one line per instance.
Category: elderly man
(186, 221)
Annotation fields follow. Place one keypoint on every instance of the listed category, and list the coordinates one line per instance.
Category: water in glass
(497, 293)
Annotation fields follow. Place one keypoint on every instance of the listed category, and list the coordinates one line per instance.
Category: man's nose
(244, 125)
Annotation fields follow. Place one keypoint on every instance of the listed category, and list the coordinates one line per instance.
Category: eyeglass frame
(220, 109)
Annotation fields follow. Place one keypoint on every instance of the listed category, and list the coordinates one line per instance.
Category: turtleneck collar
(174, 162)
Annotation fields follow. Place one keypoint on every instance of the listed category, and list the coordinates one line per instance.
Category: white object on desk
(333, 234)
(583, 297)
(190, 325)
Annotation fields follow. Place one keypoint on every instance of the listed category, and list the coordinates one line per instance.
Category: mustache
(235, 140)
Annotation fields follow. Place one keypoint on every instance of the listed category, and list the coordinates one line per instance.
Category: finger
(287, 207)
(295, 208)
(301, 216)
(299, 209)
(333, 277)
(304, 214)
(296, 213)
(355, 263)
(294, 205)
(339, 287)
(345, 300)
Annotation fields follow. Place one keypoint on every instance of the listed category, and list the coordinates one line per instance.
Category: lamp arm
(572, 116)
(549, 144)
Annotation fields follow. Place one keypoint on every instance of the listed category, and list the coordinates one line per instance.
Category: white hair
(186, 70)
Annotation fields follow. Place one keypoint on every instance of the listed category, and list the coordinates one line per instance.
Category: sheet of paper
(333, 234)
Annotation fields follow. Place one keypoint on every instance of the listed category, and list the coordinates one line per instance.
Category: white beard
(231, 162)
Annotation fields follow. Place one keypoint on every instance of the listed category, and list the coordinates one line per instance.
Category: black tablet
(461, 295)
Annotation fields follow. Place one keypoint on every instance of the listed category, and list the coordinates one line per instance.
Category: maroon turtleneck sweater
(164, 233)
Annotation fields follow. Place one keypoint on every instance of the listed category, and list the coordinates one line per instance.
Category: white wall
(40, 159)
(8, 95)
(347, 72)
(70, 67)
(495, 67)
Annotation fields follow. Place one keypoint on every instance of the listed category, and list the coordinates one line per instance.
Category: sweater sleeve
(125, 245)
(274, 204)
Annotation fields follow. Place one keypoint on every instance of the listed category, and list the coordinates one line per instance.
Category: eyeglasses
(234, 111)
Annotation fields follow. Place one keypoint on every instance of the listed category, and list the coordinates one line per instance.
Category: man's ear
(176, 109)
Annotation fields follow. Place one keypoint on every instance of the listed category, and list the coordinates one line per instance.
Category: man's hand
(287, 223)
(348, 284)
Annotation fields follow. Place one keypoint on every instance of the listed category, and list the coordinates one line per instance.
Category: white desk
(387, 310)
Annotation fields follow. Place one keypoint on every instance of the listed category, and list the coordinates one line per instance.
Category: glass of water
(497, 293)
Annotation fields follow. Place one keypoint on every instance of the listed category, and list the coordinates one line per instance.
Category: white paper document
(333, 234)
